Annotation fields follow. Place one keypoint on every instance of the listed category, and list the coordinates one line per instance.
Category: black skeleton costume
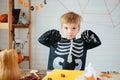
(68, 54)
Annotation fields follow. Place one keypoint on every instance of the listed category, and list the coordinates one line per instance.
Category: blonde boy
(68, 52)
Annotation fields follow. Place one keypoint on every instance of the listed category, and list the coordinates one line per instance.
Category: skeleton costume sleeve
(90, 39)
(50, 37)
(68, 54)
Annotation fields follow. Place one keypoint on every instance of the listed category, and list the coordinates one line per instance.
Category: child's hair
(9, 68)
(70, 17)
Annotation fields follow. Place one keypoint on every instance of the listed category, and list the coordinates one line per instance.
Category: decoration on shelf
(20, 58)
(19, 47)
(4, 18)
(16, 13)
(45, 2)
(36, 7)
(23, 19)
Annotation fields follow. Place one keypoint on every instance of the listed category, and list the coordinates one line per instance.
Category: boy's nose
(69, 31)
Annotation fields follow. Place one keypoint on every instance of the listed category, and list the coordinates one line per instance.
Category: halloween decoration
(16, 13)
(4, 18)
(23, 19)
(32, 8)
(36, 7)
(18, 46)
(20, 58)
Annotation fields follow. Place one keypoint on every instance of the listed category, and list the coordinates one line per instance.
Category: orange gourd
(105, 75)
(4, 18)
(19, 58)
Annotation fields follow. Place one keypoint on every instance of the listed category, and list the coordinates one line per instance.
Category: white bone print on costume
(71, 49)
(79, 64)
(56, 62)
(70, 52)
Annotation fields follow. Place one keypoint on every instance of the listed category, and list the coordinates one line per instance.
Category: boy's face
(70, 30)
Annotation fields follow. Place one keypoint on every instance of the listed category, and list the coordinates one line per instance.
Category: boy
(68, 52)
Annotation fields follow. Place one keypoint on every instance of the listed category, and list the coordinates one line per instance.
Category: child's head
(9, 57)
(9, 69)
(70, 24)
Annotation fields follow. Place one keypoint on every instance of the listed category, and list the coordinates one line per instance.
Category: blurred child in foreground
(9, 69)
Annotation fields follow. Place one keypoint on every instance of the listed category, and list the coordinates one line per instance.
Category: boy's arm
(50, 37)
(90, 39)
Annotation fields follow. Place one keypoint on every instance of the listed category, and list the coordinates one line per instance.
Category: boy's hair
(70, 17)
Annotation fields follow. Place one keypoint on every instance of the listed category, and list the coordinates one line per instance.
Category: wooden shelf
(3, 25)
(20, 25)
(26, 58)
(11, 28)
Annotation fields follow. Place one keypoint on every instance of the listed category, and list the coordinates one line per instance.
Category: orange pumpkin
(4, 18)
(19, 58)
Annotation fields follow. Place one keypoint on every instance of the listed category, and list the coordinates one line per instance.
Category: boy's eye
(74, 28)
(66, 27)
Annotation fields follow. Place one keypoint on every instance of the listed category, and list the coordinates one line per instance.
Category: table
(115, 75)
(40, 73)
(43, 73)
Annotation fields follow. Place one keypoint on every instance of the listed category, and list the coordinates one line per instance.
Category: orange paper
(89, 78)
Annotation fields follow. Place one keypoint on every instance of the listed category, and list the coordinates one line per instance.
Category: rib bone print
(70, 49)
(68, 54)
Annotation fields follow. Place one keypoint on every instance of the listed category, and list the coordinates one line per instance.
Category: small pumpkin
(4, 18)
(19, 58)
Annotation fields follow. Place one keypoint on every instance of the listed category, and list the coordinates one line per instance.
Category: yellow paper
(69, 74)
